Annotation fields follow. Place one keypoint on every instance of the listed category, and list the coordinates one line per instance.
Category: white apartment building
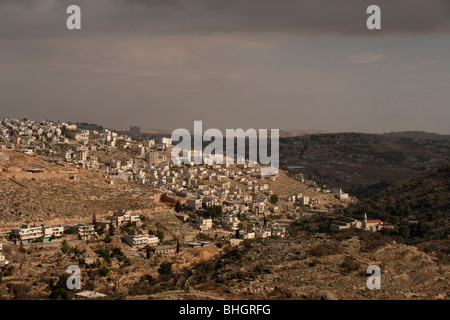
(248, 235)
(194, 204)
(52, 231)
(81, 155)
(278, 231)
(167, 141)
(86, 231)
(27, 233)
(204, 224)
(304, 200)
(230, 223)
(122, 216)
(152, 158)
(261, 234)
(136, 240)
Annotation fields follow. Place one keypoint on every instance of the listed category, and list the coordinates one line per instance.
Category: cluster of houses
(85, 231)
(28, 233)
(237, 188)
(255, 228)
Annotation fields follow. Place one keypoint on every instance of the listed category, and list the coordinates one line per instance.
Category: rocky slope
(318, 267)
(53, 197)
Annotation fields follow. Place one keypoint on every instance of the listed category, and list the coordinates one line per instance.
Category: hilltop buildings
(238, 190)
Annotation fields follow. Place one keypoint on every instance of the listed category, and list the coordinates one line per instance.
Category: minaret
(365, 221)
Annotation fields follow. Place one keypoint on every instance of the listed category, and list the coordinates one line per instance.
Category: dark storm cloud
(33, 18)
(231, 63)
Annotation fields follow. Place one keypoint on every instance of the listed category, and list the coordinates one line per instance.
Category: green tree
(112, 230)
(160, 235)
(59, 289)
(274, 199)
(178, 206)
(64, 131)
(95, 223)
(148, 251)
(165, 268)
(65, 247)
(404, 231)
(108, 239)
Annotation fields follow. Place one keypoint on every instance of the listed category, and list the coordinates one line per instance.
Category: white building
(167, 141)
(152, 157)
(136, 240)
(81, 155)
(194, 204)
(52, 231)
(3, 261)
(27, 233)
(203, 224)
(122, 216)
(372, 225)
(230, 223)
(248, 235)
(261, 234)
(86, 231)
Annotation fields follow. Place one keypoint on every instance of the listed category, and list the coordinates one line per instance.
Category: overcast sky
(287, 64)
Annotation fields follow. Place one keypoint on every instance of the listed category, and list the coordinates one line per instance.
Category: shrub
(273, 199)
(323, 249)
(350, 264)
(65, 247)
(165, 268)
(102, 272)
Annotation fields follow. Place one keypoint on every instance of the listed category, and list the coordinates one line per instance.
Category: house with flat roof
(194, 204)
(26, 233)
(164, 250)
(230, 223)
(50, 232)
(86, 231)
(120, 217)
(203, 224)
(136, 240)
(86, 259)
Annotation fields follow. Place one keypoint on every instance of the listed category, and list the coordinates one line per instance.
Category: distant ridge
(418, 135)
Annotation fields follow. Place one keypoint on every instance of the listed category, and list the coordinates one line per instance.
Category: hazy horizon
(266, 64)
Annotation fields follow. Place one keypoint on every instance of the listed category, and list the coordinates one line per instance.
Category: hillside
(318, 267)
(353, 161)
(420, 207)
(53, 196)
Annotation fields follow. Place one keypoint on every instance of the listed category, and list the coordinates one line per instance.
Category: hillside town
(232, 201)
(194, 213)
